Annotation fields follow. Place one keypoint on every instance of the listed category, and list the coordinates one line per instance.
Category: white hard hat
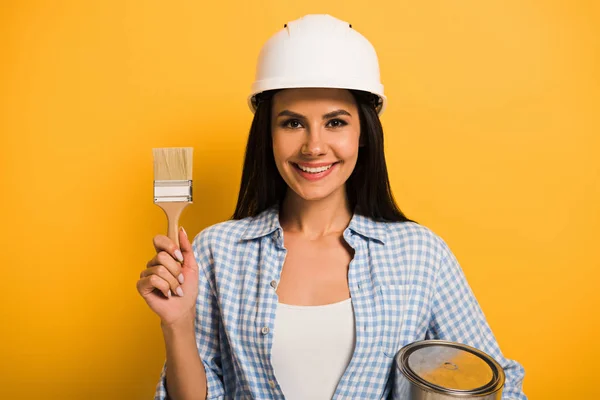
(318, 51)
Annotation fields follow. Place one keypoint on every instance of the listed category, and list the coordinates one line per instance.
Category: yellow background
(492, 136)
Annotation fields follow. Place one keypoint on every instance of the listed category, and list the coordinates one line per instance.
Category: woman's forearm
(185, 375)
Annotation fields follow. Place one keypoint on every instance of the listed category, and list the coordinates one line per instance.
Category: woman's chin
(314, 194)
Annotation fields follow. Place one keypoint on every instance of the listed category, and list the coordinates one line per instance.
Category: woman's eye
(292, 123)
(336, 123)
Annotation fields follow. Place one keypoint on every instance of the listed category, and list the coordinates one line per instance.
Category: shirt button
(265, 330)
(273, 284)
(272, 384)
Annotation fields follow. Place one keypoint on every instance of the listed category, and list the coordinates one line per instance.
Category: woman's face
(315, 140)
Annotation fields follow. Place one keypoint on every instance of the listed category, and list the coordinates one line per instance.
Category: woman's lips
(314, 171)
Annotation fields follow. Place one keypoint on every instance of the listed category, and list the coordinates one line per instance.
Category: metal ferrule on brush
(172, 191)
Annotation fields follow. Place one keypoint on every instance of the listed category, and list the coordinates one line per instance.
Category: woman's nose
(314, 144)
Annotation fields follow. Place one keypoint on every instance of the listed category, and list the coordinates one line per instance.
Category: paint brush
(173, 184)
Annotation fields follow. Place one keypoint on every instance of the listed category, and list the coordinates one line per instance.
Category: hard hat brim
(275, 84)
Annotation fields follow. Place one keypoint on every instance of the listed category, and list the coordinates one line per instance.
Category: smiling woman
(319, 279)
(317, 145)
(317, 128)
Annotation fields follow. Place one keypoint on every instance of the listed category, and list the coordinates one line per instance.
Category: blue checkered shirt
(405, 285)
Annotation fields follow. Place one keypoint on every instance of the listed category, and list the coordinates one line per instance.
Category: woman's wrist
(183, 324)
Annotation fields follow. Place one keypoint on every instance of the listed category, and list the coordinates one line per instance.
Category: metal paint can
(443, 370)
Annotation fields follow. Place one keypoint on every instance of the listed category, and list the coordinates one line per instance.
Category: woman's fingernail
(184, 232)
(180, 278)
(179, 291)
(169, 293)
(178, 255)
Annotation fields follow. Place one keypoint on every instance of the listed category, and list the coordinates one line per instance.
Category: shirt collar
(267, 222)
(263, 224)
(368, 228)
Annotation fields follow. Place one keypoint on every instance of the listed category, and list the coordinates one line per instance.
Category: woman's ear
(361, 141)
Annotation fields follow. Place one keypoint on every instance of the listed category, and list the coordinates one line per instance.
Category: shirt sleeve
(457, 317)
(206, 327)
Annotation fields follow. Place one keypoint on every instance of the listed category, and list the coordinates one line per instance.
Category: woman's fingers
(165, 272)
(163, 243)
(165, 259)
(148, 284)
(166, 275)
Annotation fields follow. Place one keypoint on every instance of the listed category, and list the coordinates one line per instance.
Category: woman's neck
(317, 218)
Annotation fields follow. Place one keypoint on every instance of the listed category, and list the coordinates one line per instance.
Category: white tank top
(312, 346)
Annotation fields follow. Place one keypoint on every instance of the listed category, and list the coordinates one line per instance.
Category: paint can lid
(450, 368)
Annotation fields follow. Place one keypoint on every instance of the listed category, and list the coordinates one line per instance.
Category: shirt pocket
(402, 311)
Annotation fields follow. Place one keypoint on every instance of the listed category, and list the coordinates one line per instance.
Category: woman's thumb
(189, 260)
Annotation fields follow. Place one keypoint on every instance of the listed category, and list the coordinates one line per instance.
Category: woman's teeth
(315, 170)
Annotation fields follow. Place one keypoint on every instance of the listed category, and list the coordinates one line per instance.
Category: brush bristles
(172, 163)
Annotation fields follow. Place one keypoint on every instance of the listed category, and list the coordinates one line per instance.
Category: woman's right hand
(161, 286)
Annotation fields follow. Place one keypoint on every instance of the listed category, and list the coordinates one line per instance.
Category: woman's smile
(314, 171)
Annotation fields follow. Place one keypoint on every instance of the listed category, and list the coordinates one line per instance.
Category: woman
(319, 279)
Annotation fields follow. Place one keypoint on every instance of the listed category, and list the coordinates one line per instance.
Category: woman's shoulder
(416, 236)
(233, 232)
(222, 233)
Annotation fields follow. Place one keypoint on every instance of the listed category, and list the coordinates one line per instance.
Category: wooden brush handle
(173, 211)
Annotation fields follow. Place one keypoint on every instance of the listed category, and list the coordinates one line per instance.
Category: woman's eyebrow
(288, 113)
(336, 113)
